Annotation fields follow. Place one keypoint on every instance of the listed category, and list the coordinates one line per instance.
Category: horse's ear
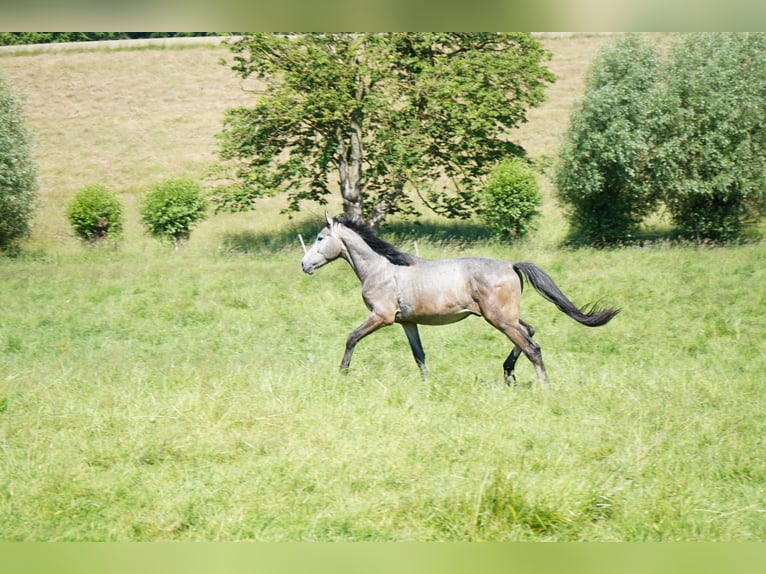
(328, 217)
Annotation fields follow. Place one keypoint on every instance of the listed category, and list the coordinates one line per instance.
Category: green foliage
(21, 38)
(173, 207)
(18, 173)
(95, 213)
(388, 114)
(711, 135)
(603, 177)
(689, 132)
(510, 199)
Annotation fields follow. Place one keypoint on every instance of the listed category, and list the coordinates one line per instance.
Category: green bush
(95, 213)
(603, 177)
(510, 200)
(711, 136)
(18, 174)
(173, 207)
(688, 132)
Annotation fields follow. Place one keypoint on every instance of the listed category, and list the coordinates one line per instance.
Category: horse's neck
(363, 259)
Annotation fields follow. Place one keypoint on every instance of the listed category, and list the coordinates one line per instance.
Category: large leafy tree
(383, 117)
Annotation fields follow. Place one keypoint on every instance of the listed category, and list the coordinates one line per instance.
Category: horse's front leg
(372, 324)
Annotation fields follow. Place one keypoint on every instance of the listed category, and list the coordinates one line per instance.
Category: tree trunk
(384, 206)
(349, 183)
(353, 198)
(350, 162)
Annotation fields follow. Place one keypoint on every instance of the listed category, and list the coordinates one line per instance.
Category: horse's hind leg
(411, 329)
(510, 363)
(520, 336)
(531, 350)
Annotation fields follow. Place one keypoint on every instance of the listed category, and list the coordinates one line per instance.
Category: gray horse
(398, 287)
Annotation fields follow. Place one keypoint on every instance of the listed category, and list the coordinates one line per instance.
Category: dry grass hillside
(127, 117)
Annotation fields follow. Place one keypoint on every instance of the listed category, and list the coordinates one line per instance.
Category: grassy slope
(121, 118)
(148, 395)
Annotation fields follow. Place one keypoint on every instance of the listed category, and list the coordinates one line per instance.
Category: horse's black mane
(377, 244)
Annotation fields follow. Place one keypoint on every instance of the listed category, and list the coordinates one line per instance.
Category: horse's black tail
(589, 315)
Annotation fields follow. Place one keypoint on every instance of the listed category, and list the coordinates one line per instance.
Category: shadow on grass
(249, 242)
(437, 232)
(442, 233)
(660, 236)
(458, 234)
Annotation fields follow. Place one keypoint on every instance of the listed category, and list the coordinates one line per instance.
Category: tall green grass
(196, 396)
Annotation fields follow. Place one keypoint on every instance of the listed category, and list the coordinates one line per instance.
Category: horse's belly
(435, 295)
(435, 319)
(434, 312)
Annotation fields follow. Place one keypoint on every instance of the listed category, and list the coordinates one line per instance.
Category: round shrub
(604, 175)
(18, 173)
(173, 207)
(710, 137)
(95, 213)
(510, 200)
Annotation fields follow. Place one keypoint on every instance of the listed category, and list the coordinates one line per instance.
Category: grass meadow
(149, 394)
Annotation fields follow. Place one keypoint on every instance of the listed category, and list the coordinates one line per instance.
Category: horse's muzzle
(307, 268)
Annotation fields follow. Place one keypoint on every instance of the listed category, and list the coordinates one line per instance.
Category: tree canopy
(383, 118)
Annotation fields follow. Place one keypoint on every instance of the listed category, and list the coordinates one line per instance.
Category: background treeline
(22, 38)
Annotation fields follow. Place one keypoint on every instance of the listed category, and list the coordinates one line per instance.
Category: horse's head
(327, 247)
